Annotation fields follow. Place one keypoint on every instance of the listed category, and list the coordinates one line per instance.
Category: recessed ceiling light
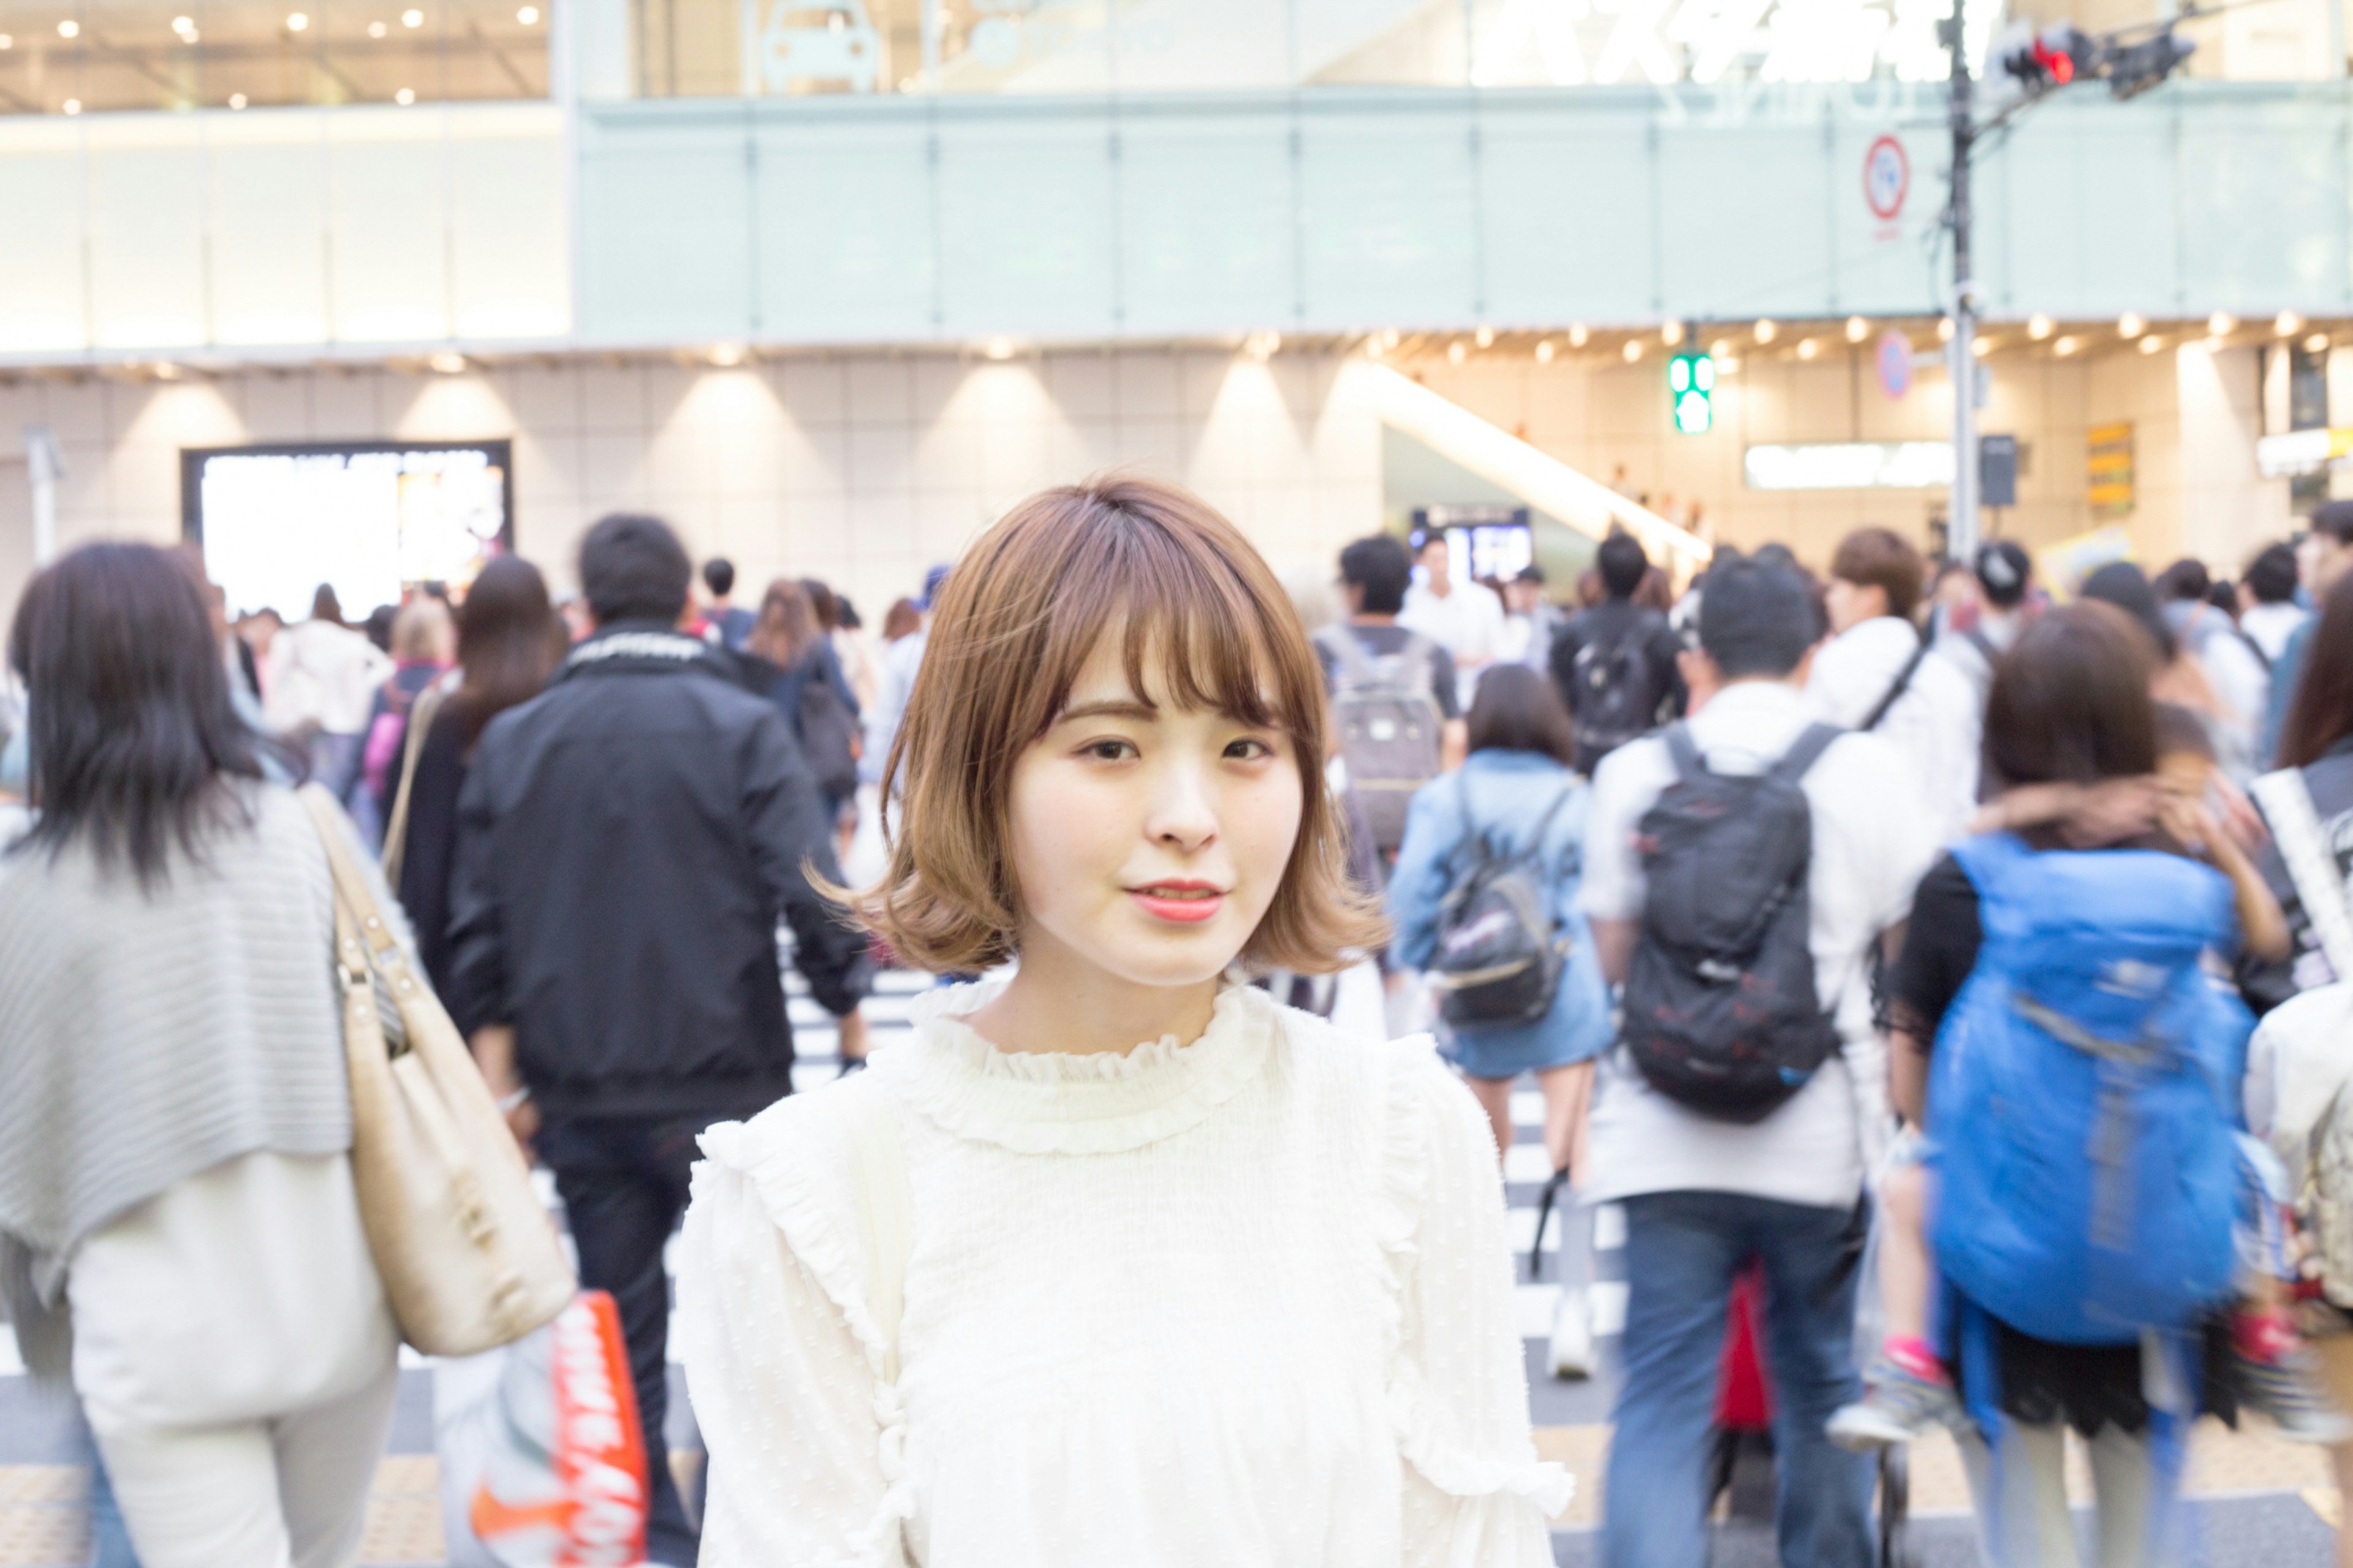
(378, 29)
(1261, 345)
(2287, 324)
(1455, 352)
(73, 106)
(1720, 349)
(1543, 351)
(1944, 329)
(1486, 336)
(237, 101)
(1389, 337)
(6, 42)
(166, 371)
(2130, 325)
(2316, 343)
(1765, 331)
(726, 356)
(2221, 324)
(184, 24)
(999, 348)
(296, 22)
(528, 16)
(2151, 343)
(2063, 347)
(1672, 335)
(405, 97)
(1808, 348)
(1981, 347)
(2039, 326)
(449, 362)
(1633, 350)
(412, 18)
(1857, 329)
(1577, 335)
(69, 28)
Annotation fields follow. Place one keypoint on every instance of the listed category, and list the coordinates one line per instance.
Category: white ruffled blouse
(1242, 1302)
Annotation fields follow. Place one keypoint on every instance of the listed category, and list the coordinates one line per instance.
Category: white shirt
(1871, 845)
(1243, 1302)
(1467, 623)
(2270, 626)
(1936, 724)
(901, 662)
(322, 674)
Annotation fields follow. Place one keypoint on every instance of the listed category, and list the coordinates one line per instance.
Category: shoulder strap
(421, 713)
(1903, 684)
(2287, 807)
(1685, 750)
(1347, 652)
(878, 1171)
(1804, 752)
(1976, 637)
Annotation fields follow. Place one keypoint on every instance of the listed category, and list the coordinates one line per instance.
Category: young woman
(1195, 1279)
(1515, 793)
(509, 642)
(179, 1229)
(795, 650)
(424, 646)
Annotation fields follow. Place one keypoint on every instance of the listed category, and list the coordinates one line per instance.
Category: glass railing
(58, 57)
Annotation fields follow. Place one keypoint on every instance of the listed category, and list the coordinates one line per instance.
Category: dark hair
(2335, 519)
(1517, 709)
(1879, 558)
(824, 603)
(325, 606)
(2270, 575)
(2320, 714)
(131, 733)
(2183, 580)
(2120, 584)
(632, 568)
(1379, 566)
(788, 626)
(1656, 593)
(378, 626)
(902, 619)
(1621, 564)
(719, 576)
(2069, 702)
(2224, 596)
(848, 613)
(2003, 571)
(509, 642)
(1755, 618)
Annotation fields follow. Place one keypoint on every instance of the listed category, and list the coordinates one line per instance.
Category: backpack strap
(1976, 639)
(1356, 665)
(1690, 765)
(1415, 655)
(1903, 684)
(2288, 810)
(886, 1220)
(1803, 752)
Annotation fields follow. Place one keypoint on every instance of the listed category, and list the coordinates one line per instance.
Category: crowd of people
(1892, 937)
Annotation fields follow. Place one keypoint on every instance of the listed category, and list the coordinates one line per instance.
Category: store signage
(1570, 42)
(2109, 469)
(2302, 452)
(1850, 466)
(1894, 362)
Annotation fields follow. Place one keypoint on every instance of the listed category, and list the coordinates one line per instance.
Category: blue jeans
(1681, 1252)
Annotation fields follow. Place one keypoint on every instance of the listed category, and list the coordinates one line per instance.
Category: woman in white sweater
(178, 1231)
(1193, 1279)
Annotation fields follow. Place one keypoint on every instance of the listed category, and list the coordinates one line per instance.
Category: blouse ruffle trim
(1063, 1102)
(797, 1203)
(1405, 1163)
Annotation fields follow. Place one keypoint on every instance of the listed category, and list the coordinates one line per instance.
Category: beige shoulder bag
(470, 1257)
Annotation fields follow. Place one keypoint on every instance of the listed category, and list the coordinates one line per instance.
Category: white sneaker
(1571, 1352)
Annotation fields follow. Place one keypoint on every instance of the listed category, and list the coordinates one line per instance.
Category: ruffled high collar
(1063, 1102)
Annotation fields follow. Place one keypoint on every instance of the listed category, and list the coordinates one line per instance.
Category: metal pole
(46, 466)
(1961, 531)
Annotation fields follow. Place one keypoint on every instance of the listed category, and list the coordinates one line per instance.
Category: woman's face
(1148, 840)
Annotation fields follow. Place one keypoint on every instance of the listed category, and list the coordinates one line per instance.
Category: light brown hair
(1020, 615)
(787, 625)
(1878, 558)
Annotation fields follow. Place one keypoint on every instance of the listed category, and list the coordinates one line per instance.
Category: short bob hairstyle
(2069, 702)
(1879, 558)
(1019, 617)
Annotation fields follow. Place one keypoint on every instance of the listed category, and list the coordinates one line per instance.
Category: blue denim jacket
(1508, 793)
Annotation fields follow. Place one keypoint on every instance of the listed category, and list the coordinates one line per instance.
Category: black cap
(2005, 570)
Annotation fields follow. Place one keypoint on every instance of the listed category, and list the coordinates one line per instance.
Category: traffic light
(1691, 387)
(2134, 68)
(2060, 54)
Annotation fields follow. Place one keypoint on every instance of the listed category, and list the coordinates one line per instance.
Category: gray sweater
(146, 1037)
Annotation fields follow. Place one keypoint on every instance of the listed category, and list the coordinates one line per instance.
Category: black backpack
(1614, 687)
(827, 734)
(1720, 1012)
(1498, 961)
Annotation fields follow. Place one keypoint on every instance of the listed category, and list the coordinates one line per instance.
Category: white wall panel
(1026, 223)
(1567, 208)
(510, 250)
(1179, 274)
(266, 220)
(147, 231)
(388, 237)
(843, 228)
(1390, 213)
(43, 307)
(1745, 226)
(665, 223)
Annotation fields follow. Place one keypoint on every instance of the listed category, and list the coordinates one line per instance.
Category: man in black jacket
(627, 841)
(1615, 664)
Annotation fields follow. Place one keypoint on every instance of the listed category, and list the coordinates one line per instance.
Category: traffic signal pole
(1961, 528)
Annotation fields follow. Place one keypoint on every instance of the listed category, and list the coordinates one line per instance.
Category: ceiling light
(2130, 325)
(1486, 336)
(528, 16)
(1389, 337)
(69, 28)
(2038, 326)
(378, 29)
(1373, 346)
(1672, 335)
(1765, 331)
(2151, 343)
(2317, 344)
(166, 371)
(1455, 352)
(6, 42)
(296, 22)
(1808, 348)
(726, 356)
(2221, 324)
(1577, 335)
(1721, 349)
(184, 24)
(2063, 347)
(1857, 329)
(405, 97)
(190, 37)
(449, 362)
(1260, 345)
(1633, 350)
(1726, 364)
(73, 106)
(1944, 329)
(237, 101)
(2287, 324)
(1981, 347)
(999, 348)
(1543, 351)
(412, 18)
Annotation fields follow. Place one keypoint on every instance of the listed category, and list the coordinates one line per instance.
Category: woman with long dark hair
(179, 1232)
(509, 641)
(1515, 795)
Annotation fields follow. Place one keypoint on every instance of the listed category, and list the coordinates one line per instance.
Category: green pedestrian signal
(1690, 386)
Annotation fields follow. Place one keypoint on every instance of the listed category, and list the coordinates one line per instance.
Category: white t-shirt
(2270, 626)
(1467, 623)
(1935, 725)
(1871, 845)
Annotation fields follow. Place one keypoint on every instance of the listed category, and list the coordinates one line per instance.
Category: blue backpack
(2083, 1095)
